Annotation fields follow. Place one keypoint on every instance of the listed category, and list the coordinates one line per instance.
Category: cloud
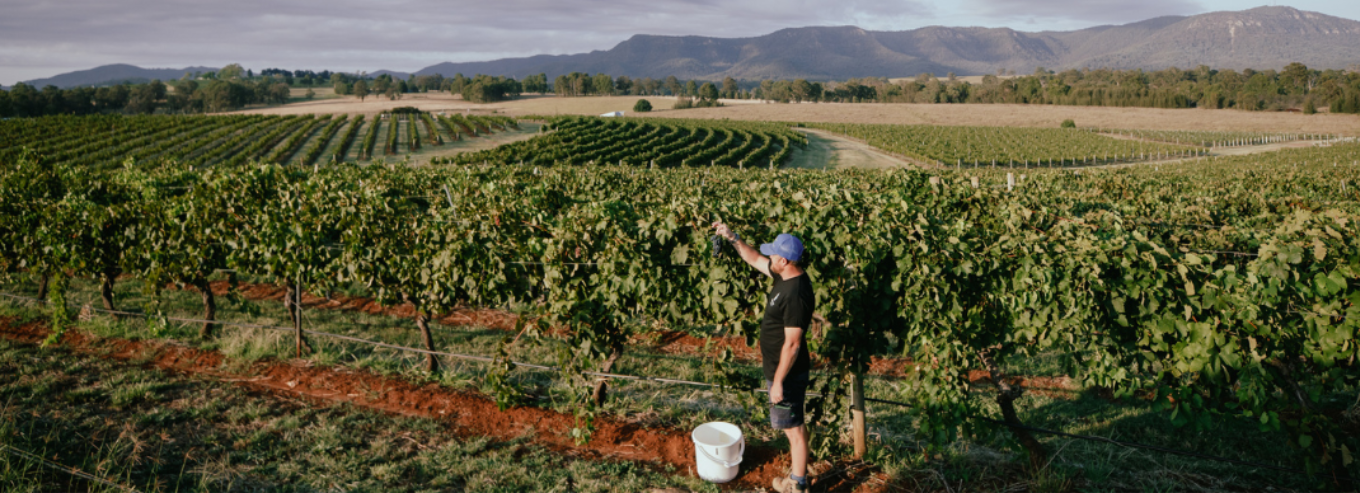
(1084, 12)
(40, 38)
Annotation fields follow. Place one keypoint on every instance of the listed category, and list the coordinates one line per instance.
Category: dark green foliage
(642, 106)
(487, 89)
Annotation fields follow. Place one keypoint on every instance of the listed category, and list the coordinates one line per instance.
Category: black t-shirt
(789, 304)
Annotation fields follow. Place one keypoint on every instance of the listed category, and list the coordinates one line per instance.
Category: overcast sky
(43, 38)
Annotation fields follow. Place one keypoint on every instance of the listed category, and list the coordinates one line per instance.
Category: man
(783, 351)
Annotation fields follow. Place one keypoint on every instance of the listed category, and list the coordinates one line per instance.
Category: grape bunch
(717, 245)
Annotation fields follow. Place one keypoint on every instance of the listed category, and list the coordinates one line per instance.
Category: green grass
(989, 460)
(159, 432)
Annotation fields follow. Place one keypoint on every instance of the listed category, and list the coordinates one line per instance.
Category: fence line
(484, 359)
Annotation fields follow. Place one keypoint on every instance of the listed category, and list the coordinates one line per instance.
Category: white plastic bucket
(717, 451)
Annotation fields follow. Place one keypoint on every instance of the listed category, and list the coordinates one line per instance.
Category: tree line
(583, 84)
(182, 96)
(1296, 87)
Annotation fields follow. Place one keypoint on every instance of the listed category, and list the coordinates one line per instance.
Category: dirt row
(467, 413)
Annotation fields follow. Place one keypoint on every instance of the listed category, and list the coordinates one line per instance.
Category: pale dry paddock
(1017, 115)
(526, 105)
(1002, 115)
(371, 105)
(437, 102)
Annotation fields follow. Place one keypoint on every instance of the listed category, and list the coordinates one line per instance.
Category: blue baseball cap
(784, 245)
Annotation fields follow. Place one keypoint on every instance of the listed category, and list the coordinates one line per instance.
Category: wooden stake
(857, 414)
(297, 314)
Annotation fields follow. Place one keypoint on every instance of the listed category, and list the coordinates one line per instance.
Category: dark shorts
(789, 413)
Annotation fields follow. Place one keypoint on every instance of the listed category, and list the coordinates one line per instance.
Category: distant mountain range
(1260, 38)
(114, 74)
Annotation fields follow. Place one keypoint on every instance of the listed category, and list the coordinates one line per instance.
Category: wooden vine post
(297, 315)
(857, 413)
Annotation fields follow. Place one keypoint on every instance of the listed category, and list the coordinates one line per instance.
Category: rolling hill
(1261, 38)
(114, 74)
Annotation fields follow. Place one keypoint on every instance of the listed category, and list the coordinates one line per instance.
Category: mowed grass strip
(157, 431)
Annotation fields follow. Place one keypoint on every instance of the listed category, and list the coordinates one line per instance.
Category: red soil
(466, 412)
(1056, 387)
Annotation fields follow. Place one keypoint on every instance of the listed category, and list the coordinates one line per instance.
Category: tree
(1296, 78)
(142, 102)
(145, 98)
(562, 85)
(485, 88)
(603, 84)
(457, 84)
(729, 87)
(279, 93)
(800, 90)
(310, 94)
(536, 83)
(691, 88)
(708, 92)
(233, 71)
(1309, 108)
(381, 84)
(642, 106)
(672, 85)
(360, 89)
(183, 98)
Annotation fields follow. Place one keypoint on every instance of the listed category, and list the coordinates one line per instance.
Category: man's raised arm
(747, 252)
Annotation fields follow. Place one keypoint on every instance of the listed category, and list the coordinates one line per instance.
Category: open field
(1009, 115)
(1006, 115)
(372, 105)
(439, 101)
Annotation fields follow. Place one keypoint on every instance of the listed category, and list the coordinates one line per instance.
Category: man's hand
(750, 255)
(722, 230)
(776, 393)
